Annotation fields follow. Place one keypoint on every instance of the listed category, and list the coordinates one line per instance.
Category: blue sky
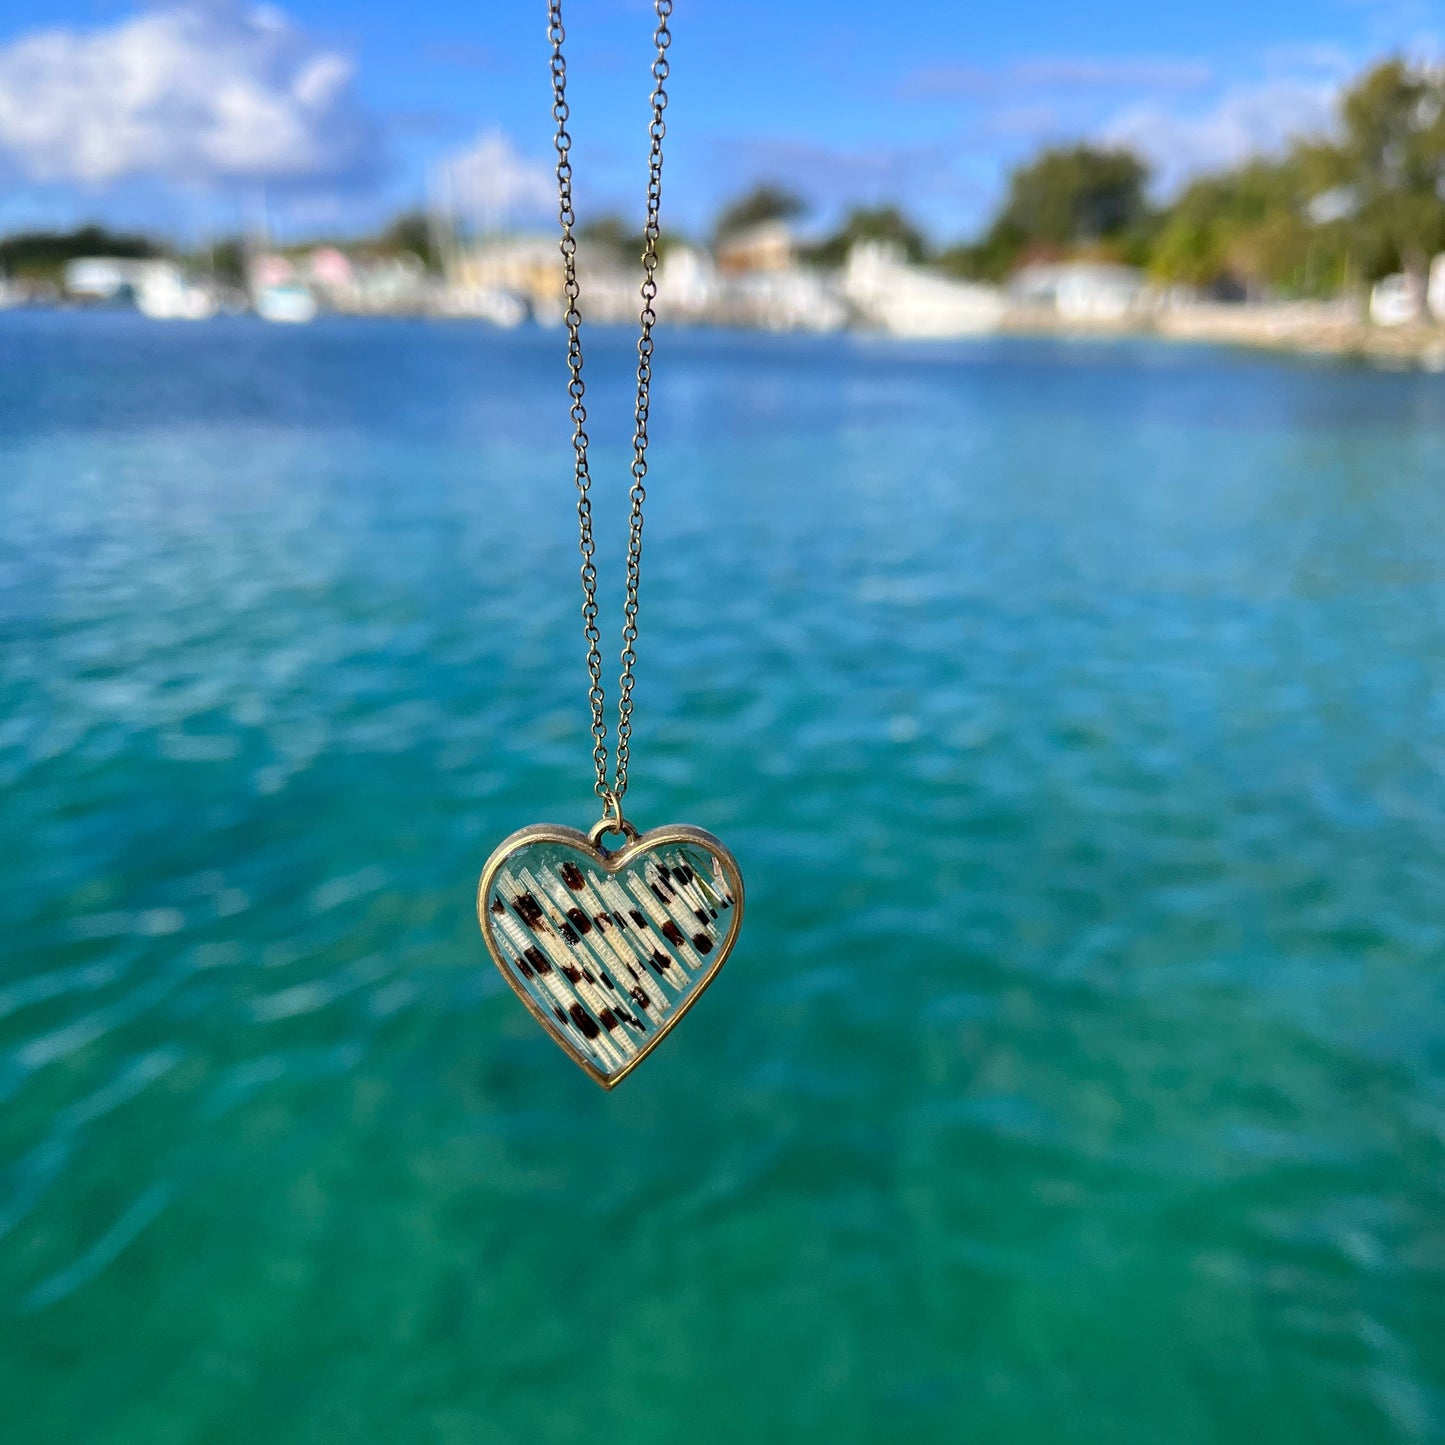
(183, 116)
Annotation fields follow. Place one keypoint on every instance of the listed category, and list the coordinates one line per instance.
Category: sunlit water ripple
(1076, 713)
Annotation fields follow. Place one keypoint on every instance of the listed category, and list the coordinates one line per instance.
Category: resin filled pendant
(609, 948)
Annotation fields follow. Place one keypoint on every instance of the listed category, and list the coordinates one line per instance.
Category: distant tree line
(42, 255)
(1332, 213)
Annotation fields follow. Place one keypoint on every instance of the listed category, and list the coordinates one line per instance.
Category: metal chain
(577, 391)
(658, 128)
(612, 793)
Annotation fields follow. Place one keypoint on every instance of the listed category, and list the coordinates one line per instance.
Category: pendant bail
(611, 821)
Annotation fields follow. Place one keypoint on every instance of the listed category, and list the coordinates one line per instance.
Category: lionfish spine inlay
(609, 956)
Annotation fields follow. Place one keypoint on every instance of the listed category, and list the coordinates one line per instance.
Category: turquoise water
(1076, 714)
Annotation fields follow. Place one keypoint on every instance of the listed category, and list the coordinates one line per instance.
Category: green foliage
(1238, 228)
(411, 233)
(1331, 213)
(612, 236)
(226, 260)
(1393, 154)
(1075, 196)
(1264, 223)
(611, 233)
(1068, 200)
(762, 203)
(876, 223)
(990, 259)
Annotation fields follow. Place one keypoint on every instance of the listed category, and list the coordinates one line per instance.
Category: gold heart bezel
(614, 861)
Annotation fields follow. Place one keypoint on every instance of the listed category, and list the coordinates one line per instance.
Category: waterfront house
(1435, 291)
(1082, 291)
(1397, 301)
(106, 278)
(768, 246)
(522, 266)
(912, 301)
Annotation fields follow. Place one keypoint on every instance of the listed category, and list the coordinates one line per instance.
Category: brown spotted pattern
(609, 956)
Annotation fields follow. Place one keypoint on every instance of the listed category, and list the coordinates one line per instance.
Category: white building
(795, 299)
(1435, 292)
(910, 301)
(1083, 291)
(1397, 300)
(107, 278)
(688, 287)
(165, 293)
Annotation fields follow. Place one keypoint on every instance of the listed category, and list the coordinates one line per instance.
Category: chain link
(611, 793)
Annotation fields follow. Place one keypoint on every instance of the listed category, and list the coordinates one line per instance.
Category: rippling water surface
(1076, 713)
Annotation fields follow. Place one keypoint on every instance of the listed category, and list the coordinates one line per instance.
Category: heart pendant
(609, 949)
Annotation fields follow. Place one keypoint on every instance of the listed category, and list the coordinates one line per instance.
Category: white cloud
(207, 91)
(833, 174)
(492, 183)
(1022, 122)
(1056, 73)
(1317, 57)
(1085, 73)
(1245, 121)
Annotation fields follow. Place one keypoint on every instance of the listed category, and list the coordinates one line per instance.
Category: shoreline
(1330, 329)
(1306, 328)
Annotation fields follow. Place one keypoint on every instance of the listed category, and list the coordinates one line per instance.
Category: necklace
(608, 947)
